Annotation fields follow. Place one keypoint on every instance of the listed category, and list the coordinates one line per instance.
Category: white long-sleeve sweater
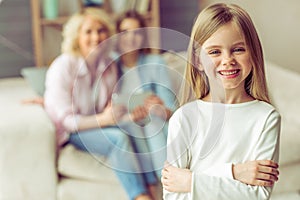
(208, 138)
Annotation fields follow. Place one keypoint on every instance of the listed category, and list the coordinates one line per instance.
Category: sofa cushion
(27, 141)
(283, 85)
(288, 179)
(74, 189)
(286, 196)
(73, 163)
(83, 177)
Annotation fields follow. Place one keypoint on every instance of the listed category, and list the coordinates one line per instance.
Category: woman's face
(225, 58)
(91, 33)
(130, 38)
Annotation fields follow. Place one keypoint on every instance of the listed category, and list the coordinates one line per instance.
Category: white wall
(278, 24)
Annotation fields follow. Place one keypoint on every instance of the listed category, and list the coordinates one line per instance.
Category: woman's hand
(153, 100)
(176, 179)
(111, 115)
(258, 172)
(138, 113)
(155, 105)
(36, 100)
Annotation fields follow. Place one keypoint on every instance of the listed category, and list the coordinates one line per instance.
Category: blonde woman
(79, 84)
(225, 144)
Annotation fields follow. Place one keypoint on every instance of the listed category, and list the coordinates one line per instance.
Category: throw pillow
(35, 76)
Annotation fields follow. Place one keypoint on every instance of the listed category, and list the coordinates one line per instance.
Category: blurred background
(277, 21)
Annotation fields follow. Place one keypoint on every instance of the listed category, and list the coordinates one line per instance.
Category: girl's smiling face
(225, 58)
(91, 34)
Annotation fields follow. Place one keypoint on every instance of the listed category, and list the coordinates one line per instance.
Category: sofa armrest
(27, 140)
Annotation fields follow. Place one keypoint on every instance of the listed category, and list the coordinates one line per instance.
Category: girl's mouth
(229, 73)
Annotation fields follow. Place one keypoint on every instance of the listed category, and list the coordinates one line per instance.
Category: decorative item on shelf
(50, 9)
(119, 6)
(142, 6)
(104, 4)
(92, 2)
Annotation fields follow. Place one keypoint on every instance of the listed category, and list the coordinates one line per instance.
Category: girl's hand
(176, 179)
(258, 172)
(138, 113)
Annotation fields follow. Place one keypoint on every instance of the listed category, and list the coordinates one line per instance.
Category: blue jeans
(150, 144)
(115, 146)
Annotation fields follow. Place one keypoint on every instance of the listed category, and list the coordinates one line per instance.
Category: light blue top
(154, 76)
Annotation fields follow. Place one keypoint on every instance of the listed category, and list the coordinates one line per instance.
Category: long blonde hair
(208, 22)
(71, 28)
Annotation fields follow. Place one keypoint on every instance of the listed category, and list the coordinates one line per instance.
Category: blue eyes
(235, 50)
(239, 50)
(214, 52)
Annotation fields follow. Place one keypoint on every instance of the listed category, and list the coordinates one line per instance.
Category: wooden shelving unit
(39, 23)
(53, 22)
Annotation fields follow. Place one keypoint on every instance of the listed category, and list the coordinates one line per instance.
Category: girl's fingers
(269, 163)
(164, 182)
(266, 177)
(164, 179)
(269, 170)
(165, 170)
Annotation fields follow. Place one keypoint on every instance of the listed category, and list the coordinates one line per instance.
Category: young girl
(79, 85)
(225, 144)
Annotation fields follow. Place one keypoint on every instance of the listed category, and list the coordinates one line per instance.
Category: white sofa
(30, 168)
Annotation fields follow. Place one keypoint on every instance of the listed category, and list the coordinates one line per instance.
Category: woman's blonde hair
(207, 23)
(71, 28)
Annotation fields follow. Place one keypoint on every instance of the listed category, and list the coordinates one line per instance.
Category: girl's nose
(228, 60)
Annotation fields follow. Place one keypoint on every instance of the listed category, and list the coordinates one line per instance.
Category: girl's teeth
(227, 73)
